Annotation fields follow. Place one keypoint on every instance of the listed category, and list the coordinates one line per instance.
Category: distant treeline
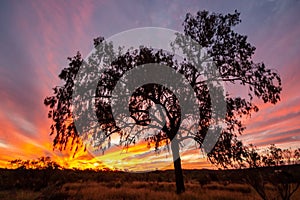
(270, 156)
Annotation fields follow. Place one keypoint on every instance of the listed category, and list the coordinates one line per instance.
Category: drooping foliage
(232, 55)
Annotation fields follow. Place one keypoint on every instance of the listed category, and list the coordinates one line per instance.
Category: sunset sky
(36, 37)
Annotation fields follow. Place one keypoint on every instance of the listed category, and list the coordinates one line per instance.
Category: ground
(75, 184)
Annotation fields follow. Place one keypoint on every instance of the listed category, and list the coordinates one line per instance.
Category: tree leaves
(230, 51)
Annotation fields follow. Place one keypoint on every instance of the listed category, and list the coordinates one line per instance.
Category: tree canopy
(230, 52)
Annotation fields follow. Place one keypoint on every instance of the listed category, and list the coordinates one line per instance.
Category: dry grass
(19, 194)
(135, 191)
(89, 185)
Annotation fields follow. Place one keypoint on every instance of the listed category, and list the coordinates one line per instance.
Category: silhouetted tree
(285, 182)
(40, 163)
(287, 156)
(273, 156)
(230, 52)
(276, 154)
(253, 158)
(297, 155)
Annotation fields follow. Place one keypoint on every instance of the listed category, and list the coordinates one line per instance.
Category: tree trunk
(177, 166)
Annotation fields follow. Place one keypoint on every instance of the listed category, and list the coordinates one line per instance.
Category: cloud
(3, 144)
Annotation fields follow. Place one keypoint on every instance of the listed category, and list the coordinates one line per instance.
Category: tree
(230, 52)
(296, 156)
(284, 181)
(40, 163)
(276, 154)
(273, 156)
(287, 155)
(253, 158)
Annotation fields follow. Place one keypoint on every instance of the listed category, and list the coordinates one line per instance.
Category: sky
(36, 37)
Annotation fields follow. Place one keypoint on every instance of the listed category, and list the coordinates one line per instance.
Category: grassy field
(72, 184)
(132, 191)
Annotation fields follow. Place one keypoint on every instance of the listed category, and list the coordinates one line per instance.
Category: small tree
(297, 155)
(276, 154)
(230, 52)
(273, 156)
(287, 155)
(40, 163)
(285, 183)
(253, 158)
